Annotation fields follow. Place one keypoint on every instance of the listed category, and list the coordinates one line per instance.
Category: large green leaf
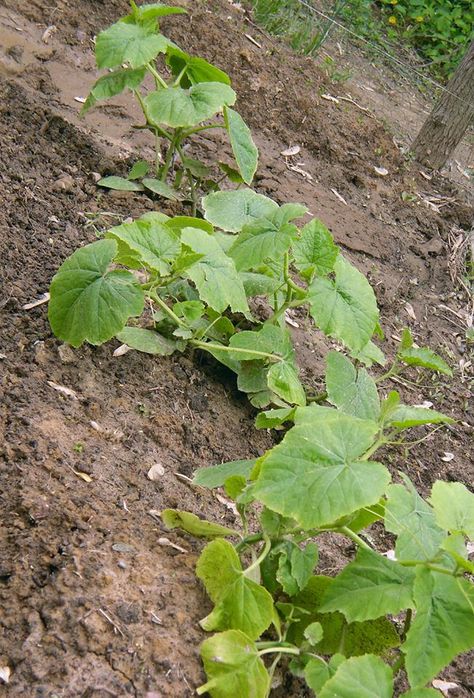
(231, 210)
(215, 275)
(153, 243)
(317, 672)
(370, 587)
(453, 506)
(345, 308)
(148, 11)
(443, 626)
(351, 391)
(406, 416)
(197, 69)
(360, 677)
(244, 149)
(261, 240)
(113, 84)
(233, 667)
(127, 42)
(315, 251)
(173, 518)
(315, 474)
(89, 302)
(178, 107)
(283, 380)
(148, 341)
(413, 521)
(295, 566)
(240, 603)
(216, 475)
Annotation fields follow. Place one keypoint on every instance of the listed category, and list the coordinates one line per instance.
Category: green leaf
(314, 633)
(345, 308)
(178, 223)
(406, 416)
(370, 587)
(154, 244)
(425, 358)
(283, 380)
(139, 169)
(455, 545)
(240, 603)
(315, 251)
(351, 391)
(232, 174)
(274, 418)
(365, 517)
(113, 84)
(172, 518)
(178, 107)
(197, 69)
(161, 188)
(189, 310)
(119, 183)
(295, 566)
(124, 42)
(317, 672)
(149, 11)
(369, 354)
(360, 677)
(197, 168)
(261, 240)
(216, 475)
(147, 341)
(315, 474)
(233, 667)
(89, 302)
(231, 210)
(443, 626)
(413, 521)
(258, 284)
(453, 506)
(244, 149)
(270, 339)
(215, 275)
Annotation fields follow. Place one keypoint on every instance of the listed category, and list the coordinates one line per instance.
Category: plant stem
(154, 296)
(235, 350)
(380, 442)
(280, 650)
(189, 175)
(202, 128)
(428, 565)
(159, 82)
(353, 536)
(393, 371)
(319, 397)
(169, 157)
(260, 558)
(254, 538)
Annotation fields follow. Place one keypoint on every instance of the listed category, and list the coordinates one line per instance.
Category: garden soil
(97, 599)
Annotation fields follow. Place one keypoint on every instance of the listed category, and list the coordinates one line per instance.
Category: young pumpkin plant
(183, 101)
(410, 609)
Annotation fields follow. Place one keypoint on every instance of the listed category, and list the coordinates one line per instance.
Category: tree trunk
(450, 118)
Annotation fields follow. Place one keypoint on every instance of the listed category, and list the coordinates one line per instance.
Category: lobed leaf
(88, 301)
(231, 210)
(113, 84)
(197, 69)
(127, 42)
(443, 626)
(315, 474)
(240, 603)
(153, 244)
(261, 240)
(178, 107)
(351, 391)
(233, 667)
(147, 341)
(345, 308)
(360, 677)
(216, 475)
(370, 587)
(315, 251)
(453, 506)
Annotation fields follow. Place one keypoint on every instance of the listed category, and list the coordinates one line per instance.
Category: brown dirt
(92, 604)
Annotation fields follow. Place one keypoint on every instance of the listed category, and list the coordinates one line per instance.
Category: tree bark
(450, 118)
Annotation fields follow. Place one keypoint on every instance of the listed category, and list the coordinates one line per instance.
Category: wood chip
(339, 196)
(381, 171)
(84, 476)
(330, 98)
(47, 34)
(68, 392)
(156, 472)
(81, 100)
(166, 542)
(410, 311)
(42, 299)
(448, 457)
(5, 673)
(303, 173)
(444, 686)
(121, 350)
(253, 41)
(292, 150)
(289, 320)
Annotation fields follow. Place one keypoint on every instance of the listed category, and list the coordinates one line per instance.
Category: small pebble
(122, 564)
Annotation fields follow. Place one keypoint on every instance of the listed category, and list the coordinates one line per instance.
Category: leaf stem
(201, 128)
(158, 79)
(154, 296)
(353, 536)
(248, 540)
(220, 347)
(260, 558)
(280, 650)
